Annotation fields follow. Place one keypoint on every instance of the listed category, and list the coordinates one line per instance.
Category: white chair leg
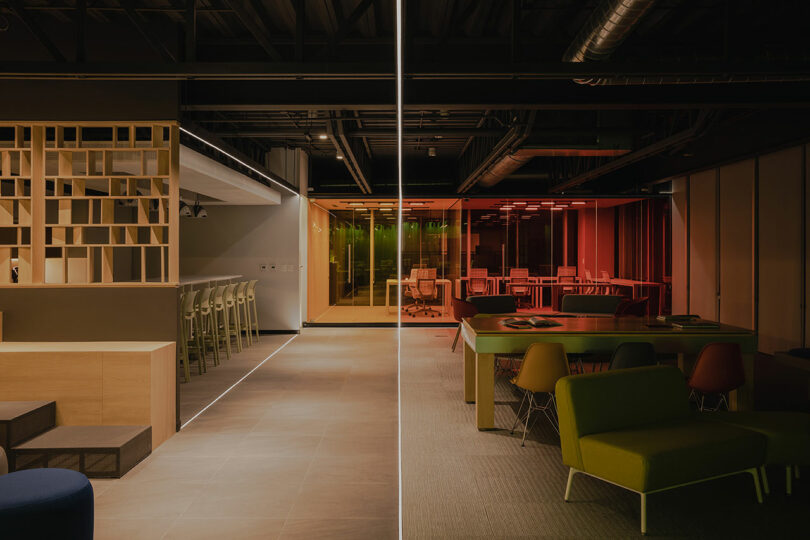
(764, 475)
(571, 473)
(789, 480)
(757, 489)
(643, 513)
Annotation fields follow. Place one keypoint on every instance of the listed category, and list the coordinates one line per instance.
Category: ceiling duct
(610, 24)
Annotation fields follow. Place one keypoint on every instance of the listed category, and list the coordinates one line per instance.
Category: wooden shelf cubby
(92, 203)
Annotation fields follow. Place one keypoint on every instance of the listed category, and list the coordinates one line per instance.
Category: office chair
(518, 278)
(478, 283)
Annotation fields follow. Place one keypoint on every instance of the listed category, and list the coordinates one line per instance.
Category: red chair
(518, 280)
(719, 370)
(461, 309)
(478, 283)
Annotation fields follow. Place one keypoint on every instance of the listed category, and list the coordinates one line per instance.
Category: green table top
(491, 324)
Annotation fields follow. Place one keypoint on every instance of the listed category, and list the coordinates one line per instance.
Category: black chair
(496, 303)
(597, 304)
(635, 308)
(632, 354)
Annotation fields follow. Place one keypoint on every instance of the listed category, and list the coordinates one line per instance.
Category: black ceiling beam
(368, 132)
(782, 72)
(346, 25)
(33, 26)
(142, 26)
(300, 28)
(254, 23)
(81, 30)
(190, 25)
(462, 95)
(354, 158)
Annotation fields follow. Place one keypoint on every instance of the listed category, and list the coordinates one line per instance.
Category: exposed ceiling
(491, 107)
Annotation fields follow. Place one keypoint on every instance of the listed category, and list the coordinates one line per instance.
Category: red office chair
(518, 279)
(478, 284)
(410, 291)
(719, 370)
(425, 291)
(461, 309)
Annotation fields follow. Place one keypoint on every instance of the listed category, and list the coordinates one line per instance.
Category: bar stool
(232, 315)
(244, 314)
(208, 324)
(182, 349)
(221, 320)
(250, 293)
(190, 326)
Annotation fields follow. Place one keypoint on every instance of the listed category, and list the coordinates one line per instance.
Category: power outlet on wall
(263, 267)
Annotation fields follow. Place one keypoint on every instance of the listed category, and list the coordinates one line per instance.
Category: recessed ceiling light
(355, 204)
(557, 208)
(562, 205)
(387, 204)
(360, 209)
(532, 208)
(520, 203)
(385, 210)
(547, 203)
(578, 202)
(417, 203)
(322, 136)
(507, 207)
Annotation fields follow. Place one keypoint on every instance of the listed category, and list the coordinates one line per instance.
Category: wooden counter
(96, 382)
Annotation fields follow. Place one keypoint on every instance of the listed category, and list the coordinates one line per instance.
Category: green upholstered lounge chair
(788, 435)
(633, 428)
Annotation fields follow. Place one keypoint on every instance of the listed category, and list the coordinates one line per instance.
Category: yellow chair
(232, 315)
(208, 323)
(182, 342)
(190, 329)
(543, 365)
(242, 310)
(250, 293)
(221, 319)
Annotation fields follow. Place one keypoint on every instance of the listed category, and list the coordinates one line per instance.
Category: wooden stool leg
(237, 327)
(255, 319)
(246, 313)
(227, 331)
(183, 343)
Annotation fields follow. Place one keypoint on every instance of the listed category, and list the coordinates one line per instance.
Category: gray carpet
(462, 483)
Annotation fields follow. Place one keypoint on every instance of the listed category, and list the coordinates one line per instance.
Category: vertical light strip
(399, 257)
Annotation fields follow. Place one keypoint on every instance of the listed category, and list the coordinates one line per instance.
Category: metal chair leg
(571, 473)
(517, 416)
(458, 333)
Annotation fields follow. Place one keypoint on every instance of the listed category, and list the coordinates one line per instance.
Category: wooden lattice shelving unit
(89, 203)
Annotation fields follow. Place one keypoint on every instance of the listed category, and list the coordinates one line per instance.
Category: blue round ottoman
(46, 503)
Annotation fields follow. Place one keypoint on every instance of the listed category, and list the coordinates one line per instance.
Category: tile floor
(306, 447)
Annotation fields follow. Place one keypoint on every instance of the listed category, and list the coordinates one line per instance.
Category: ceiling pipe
(703, 122)
(610, 24)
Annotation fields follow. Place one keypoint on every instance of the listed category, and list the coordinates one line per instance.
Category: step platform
(96, 451)
(21, 420)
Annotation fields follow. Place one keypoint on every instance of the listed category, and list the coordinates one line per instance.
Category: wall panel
(680, 291)
(703, 244)
(780, 250)
(317, 262)
(737, 243)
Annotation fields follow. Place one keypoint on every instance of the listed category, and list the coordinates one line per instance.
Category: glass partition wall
(560, 246)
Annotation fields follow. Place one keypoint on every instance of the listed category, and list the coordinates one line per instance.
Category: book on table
(530, 322)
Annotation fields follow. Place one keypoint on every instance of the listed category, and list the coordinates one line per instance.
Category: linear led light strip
(399, 258)
(236, 159)
(234, 385)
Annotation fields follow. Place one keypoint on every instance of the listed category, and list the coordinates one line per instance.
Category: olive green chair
(232, 315)
(250, 298)
(222, 322)
(634, 428)
(788, 435)
(242, 310)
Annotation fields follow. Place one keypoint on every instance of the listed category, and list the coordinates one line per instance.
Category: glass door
(350, 255)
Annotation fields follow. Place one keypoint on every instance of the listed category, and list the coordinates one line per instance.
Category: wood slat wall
(738, 233)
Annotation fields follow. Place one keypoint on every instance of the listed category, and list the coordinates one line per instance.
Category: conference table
(485, 336)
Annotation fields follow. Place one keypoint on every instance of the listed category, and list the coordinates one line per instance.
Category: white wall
(238, 240)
